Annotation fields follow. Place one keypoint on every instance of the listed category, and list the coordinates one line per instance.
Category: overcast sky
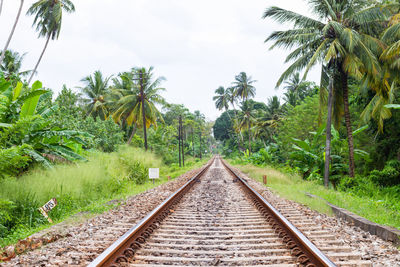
(197, 45)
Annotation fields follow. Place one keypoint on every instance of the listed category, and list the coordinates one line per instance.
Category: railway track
(217, 219)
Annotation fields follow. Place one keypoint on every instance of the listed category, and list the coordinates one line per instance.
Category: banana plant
(309, 156)
(394, 106)
(22, 125)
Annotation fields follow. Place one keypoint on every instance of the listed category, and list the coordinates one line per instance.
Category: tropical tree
(199, 118)
(243, 86)
(12, 30)
(29, 131)
(222, 98)
(297, 89)
(342, 37)
(246, 119)
(95, 91)
(387, 83)
(48, 20)
(138, 99)
(274, 107)
(11, 65)
(262, 129)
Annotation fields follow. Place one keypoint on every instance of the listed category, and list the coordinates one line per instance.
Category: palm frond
(282, 16)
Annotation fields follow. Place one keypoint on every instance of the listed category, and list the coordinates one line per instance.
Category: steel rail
(306, 252)
(126, 245)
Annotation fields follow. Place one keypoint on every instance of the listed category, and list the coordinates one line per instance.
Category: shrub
(13, 160)
(394, 164)
(389, 176)
(107, 134)
(386, 177)
(136, 171)
(6, 218)
(347, 183)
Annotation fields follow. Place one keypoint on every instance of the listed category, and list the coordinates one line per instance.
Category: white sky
(197, 45)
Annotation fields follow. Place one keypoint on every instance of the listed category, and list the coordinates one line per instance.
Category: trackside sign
(48, 207)
(154, 173)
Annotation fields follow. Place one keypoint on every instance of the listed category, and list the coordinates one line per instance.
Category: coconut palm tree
(222, 98)
(48, 20)
(387, 83)
(296, 89)
(274, 107)
(243, 86)
(246, 119)
(12, 63)
(293, 83)
(12, 30)
(232, 98)
(95, 90)
(344, 33)
(138, 98)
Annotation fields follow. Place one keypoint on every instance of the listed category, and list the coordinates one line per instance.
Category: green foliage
(14, 159)
(359, 195)
(84, 186)
(136, 171)
(299, 122)
(223, 126)
(107, 134)
(394, 106)
(28, 136)
(48, 16)
(6, 216)
(389, 176)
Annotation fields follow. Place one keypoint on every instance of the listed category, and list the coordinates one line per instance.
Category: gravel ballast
(80, 244)
(373, 248)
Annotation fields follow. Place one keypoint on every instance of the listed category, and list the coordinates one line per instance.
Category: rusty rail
(126, 245)
(301, 247)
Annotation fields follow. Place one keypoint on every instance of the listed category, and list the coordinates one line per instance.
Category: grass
(291, 186)
(79, 187)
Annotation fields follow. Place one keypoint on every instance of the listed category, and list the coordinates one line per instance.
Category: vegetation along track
(218, 219)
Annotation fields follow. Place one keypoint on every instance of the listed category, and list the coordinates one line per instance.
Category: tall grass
(376, 208)
(83, 186)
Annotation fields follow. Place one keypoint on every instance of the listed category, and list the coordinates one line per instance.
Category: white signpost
(48, 207)
(154, 173)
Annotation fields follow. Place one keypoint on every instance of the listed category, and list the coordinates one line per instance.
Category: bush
(107, 134)
(13, 160)
(394, 164)
(347, 183)
(137, 172)
(6, 218)
(83, 186)
(389, 176)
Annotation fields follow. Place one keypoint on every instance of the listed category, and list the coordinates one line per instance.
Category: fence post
(265, 179)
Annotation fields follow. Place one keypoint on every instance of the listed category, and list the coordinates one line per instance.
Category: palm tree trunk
(201, 156)
(183, 147)
(179, 142)
(1, 7)
(249, 138)
(193, 142)
(13, 29)
(132, 134)
(328, 133)
(348, 122)
(143, 114)
(237, 135)
(40, 59)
